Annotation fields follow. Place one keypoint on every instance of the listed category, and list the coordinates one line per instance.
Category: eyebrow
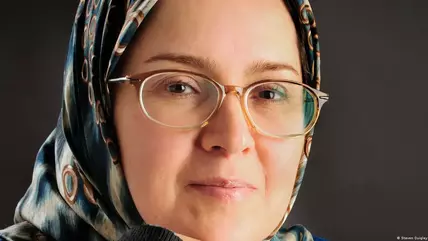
(192, 61)
(259, 66)
(263, 66)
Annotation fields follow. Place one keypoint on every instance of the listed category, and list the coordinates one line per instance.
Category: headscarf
(78, 189)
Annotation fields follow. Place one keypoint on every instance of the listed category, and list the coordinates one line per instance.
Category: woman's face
(162, 164)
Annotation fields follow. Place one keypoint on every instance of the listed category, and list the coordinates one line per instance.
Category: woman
(202, 124)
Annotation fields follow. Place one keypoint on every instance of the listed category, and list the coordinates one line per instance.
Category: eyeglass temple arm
(322, 97)
(122, 80)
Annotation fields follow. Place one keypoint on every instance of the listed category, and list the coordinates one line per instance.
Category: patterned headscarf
(78, 189)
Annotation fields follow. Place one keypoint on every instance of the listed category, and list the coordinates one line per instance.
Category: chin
(223, 231)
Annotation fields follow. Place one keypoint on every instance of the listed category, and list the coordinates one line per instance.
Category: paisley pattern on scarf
(78, 189)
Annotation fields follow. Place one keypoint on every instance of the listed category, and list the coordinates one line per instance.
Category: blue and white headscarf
(78, 190)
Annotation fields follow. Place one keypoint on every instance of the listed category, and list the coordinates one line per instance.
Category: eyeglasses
(186, 100)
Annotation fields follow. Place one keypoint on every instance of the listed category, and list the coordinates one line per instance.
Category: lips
(224, 183)
(224, 189)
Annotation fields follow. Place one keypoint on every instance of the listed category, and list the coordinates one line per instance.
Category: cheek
(152, 157)
(280, 160)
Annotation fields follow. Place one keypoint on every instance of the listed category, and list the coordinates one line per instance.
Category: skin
(160, 162)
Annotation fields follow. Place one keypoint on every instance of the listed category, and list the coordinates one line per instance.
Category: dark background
(366, 178)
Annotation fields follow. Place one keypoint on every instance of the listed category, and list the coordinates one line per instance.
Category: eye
(270, 92)
(179, 85)
(179, 88)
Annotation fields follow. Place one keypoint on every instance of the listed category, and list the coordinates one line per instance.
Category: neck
(186, 238)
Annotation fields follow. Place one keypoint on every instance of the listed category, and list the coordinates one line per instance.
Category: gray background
(366, 175)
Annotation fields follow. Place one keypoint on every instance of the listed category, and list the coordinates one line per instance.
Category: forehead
(230, 33)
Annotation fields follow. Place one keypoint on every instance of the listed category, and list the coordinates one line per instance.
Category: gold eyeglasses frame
(241, 92)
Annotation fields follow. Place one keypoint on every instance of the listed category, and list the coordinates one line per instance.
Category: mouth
(224, 189)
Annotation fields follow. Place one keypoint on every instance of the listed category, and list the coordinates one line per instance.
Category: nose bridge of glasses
(237, 90)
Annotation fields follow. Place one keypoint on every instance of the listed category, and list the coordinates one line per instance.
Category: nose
(228, 131)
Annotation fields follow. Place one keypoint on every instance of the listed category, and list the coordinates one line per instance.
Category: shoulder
(23, 231)
(315, 239)
(3, 238)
